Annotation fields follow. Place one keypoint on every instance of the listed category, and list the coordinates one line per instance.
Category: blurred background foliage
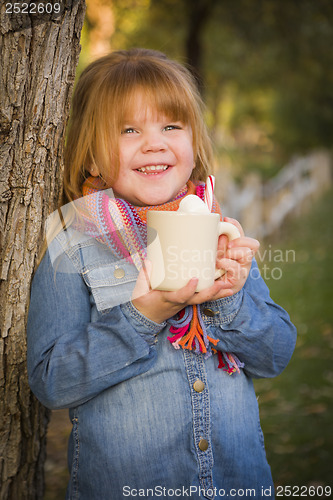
(265, 68)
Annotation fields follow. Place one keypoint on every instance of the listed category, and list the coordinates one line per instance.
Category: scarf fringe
(189, 332)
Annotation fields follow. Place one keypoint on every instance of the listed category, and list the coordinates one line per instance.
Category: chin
(152, 203)
(154, 200)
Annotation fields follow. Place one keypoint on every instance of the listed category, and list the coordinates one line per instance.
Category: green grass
(296, 408)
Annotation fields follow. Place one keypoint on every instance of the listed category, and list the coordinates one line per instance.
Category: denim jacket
(148, 420)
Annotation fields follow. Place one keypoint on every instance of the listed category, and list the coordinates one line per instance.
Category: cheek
(186, 151)
(125, 152)
(189, 157)
(122, 159)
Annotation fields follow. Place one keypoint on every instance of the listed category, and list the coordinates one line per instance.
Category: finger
(230, 266)
(243, 255)
(235, 272)
(182, 295)
(219, 294)
(222, 243)
(217, 291)
(207, 294)
(245, 241)
(232, 270)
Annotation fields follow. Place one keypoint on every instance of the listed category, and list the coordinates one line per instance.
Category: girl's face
(156, 157)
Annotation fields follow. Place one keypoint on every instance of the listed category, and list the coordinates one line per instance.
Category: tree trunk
(198, 13)
(39, 54)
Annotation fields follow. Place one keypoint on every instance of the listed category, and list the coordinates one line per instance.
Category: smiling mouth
(153, 169)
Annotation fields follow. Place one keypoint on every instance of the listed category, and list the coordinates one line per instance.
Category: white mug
(182, 246)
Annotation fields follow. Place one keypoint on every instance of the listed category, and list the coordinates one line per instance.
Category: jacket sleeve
(250, 325)
(70, 358)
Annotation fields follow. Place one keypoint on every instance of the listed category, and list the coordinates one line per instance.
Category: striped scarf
(123, 228)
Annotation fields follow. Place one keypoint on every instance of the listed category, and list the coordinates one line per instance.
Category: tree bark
(39, 55)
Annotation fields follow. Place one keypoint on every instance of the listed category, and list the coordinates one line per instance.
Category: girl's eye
(128, 130)
(172, 127)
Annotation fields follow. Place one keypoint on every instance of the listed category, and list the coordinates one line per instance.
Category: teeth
(153, 168)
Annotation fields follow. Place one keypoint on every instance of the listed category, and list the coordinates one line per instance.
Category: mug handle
(232, 232)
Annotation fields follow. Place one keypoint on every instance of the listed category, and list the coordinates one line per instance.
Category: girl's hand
(234, 257)
(159, 305)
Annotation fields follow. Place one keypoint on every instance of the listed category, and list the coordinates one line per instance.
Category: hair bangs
(157, 87)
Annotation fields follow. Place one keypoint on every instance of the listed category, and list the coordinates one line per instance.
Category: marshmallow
(192, 204)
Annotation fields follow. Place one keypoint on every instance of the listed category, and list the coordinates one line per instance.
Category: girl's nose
(153, 143)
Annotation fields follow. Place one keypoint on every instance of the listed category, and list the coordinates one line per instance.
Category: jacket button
(209, 312)
(198, 385)
(119, 273)
(203, 444)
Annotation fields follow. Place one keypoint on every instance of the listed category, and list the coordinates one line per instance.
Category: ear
(93, 170)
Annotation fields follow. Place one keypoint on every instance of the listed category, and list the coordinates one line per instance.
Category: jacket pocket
(111, 284)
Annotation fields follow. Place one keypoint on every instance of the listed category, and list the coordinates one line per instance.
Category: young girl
(149, 420)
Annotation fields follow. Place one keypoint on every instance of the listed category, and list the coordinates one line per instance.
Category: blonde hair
(102, 98)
